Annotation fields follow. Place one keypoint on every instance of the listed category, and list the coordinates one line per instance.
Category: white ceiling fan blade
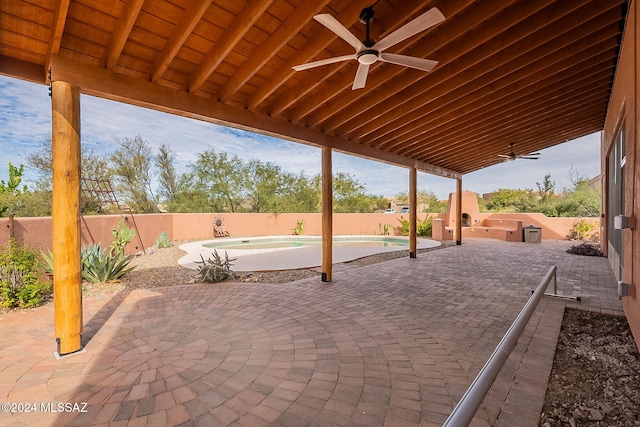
(314, 64)
(504, 156)
(408, 61)
(427, 20)
(361, 77)
(334, 25)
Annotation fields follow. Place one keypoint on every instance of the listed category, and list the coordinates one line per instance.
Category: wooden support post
(67, 267)
(327, 215)
(413, 211)
(459, 211)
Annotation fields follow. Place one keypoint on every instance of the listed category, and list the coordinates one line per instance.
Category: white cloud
(25, 119)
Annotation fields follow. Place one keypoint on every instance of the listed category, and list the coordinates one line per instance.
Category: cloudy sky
(25, 120)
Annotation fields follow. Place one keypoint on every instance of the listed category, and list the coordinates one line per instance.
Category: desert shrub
(216, 269)
(22, 283)
(580, 230)
(103, 265)
(424, 227)
(587, 249)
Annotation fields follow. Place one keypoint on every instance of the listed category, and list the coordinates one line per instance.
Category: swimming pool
(283, 242)
(264, 253)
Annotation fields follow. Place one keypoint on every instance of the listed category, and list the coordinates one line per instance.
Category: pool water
(296, 241)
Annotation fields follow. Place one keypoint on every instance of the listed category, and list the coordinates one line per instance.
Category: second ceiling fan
(513, 156)
(368, 51)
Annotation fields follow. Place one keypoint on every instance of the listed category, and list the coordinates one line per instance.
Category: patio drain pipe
(466, 408)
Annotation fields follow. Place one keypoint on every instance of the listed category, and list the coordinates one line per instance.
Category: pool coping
(288, 258)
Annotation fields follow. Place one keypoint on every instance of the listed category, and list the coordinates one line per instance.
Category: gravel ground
(160, 268)
(595, 379)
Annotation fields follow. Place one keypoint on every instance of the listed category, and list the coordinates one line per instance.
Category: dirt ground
(595, 379)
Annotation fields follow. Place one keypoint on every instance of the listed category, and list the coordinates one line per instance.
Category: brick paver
(395, 343)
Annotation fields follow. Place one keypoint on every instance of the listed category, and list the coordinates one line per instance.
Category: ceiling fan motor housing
(367, 56)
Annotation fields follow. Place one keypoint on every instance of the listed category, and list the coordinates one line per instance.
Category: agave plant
(102, 265)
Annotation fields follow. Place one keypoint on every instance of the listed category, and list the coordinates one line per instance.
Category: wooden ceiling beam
(458, 15)
(466, 122)
(348, 17)
(493, 141)
(509, 71)
(501, 50)
(287, 30)
(493, 138)
(120, 35)
(179, 35)
(519, 91)
(471, 50)
(500, 101)
(107, 84)
(242, 23)
(514, 120)
(57, 29)
(28, 71)
(317, 77)
(554, 139)
(593, 122)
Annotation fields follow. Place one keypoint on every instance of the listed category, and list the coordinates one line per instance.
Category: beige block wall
(36, 232)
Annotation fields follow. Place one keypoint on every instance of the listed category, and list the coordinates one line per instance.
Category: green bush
(580, 230)
(21, 277)
(424, 227)
(99, 266)
(299, 228)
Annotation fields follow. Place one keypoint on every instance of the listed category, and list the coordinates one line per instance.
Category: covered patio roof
(534, 73)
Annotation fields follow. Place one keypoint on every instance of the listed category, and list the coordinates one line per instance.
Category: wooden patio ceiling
(536, 73)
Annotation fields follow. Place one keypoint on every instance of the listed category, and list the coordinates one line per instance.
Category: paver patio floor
(395, 343)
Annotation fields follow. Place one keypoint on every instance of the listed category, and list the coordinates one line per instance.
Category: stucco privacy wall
(36, 232)
(623, 110)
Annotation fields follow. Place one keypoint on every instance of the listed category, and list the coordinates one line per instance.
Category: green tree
(581, 201)
(132, 162)
(546, 189)
(167, 176)
(425, 199)
(302, 193)
(10, 191)
(350, 196)
(92, 164)
(265, 186)
(215, 180)
(512, 200)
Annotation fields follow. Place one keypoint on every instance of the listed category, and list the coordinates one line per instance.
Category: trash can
(532, 234)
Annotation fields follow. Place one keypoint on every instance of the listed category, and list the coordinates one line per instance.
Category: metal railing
(466, 408)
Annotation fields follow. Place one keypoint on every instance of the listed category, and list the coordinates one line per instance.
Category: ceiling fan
(513, 156)
(369, 51)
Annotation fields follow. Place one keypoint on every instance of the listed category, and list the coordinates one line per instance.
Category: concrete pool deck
(286, 258)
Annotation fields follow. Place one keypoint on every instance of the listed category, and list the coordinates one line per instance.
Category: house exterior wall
(623, 109)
